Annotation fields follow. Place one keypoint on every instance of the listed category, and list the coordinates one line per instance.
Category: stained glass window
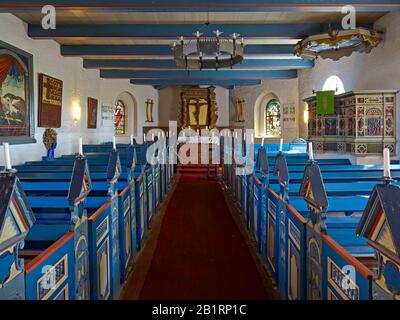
(273, 119)
(120, 119)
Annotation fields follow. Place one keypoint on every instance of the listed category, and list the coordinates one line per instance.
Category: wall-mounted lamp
(305, 114)
(76, 112)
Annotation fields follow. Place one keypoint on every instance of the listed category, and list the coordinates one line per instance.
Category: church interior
(199, 150)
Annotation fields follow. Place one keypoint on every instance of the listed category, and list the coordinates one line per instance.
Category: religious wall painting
(120, 118)
(342, 126)
(92, 113)
(374, 122)
(389, 123)
(50, 101)
(374, 127)
(330, 126)
(16, 95)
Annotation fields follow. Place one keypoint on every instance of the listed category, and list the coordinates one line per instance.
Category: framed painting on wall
(16, 95)
(92, 113)
(50, 101)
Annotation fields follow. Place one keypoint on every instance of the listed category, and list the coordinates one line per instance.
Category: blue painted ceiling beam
(140, 50)
(204, 74)
(170, 64)
(173, 31)
(191, 82)
(203, 5)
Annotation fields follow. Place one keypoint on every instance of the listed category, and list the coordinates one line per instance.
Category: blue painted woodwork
(162, 31)
(160, 50)
(207, 5)
(51, 277)
(196, 74)
(231, 83)
(170, 64)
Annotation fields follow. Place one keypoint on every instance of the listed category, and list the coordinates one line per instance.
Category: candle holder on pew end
(8, 170)
(310, 153)
(387, 178)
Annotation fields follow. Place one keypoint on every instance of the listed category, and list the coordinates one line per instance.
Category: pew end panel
(50, 270)
(141, 207)
(16, 219)
(344, 276)
(100, 253)
(380, 226)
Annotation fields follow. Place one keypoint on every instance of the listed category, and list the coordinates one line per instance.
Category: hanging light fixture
(208, 52)
(336, 44)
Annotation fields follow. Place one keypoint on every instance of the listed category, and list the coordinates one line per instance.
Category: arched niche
(260, 113)
(131, 112)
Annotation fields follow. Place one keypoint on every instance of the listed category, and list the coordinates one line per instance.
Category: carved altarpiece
(198, 108)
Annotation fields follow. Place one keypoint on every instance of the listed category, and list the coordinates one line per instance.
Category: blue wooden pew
(350, 222)
(131, 173)
(155, 189)
(103, 228)
(56, 248)
(337, 245)
(127, 217)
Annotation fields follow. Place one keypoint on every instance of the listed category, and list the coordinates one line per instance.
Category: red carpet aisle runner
(201, 253)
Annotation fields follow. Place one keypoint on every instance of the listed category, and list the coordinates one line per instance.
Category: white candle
(262, 142)
(281, 146)
(310, 152)
(131, 139)
(114, 143)
(144, 137)
(7, 159)
(386, 162)
(80, 146)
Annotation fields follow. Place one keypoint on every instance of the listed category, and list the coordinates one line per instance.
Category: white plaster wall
(169, 99)
(78, 83)
(286, 90)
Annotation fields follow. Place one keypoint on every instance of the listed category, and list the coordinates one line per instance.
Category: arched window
(120, 118)
(334, 83)
(273, 119)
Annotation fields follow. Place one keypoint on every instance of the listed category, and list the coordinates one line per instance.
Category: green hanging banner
(325, 102)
